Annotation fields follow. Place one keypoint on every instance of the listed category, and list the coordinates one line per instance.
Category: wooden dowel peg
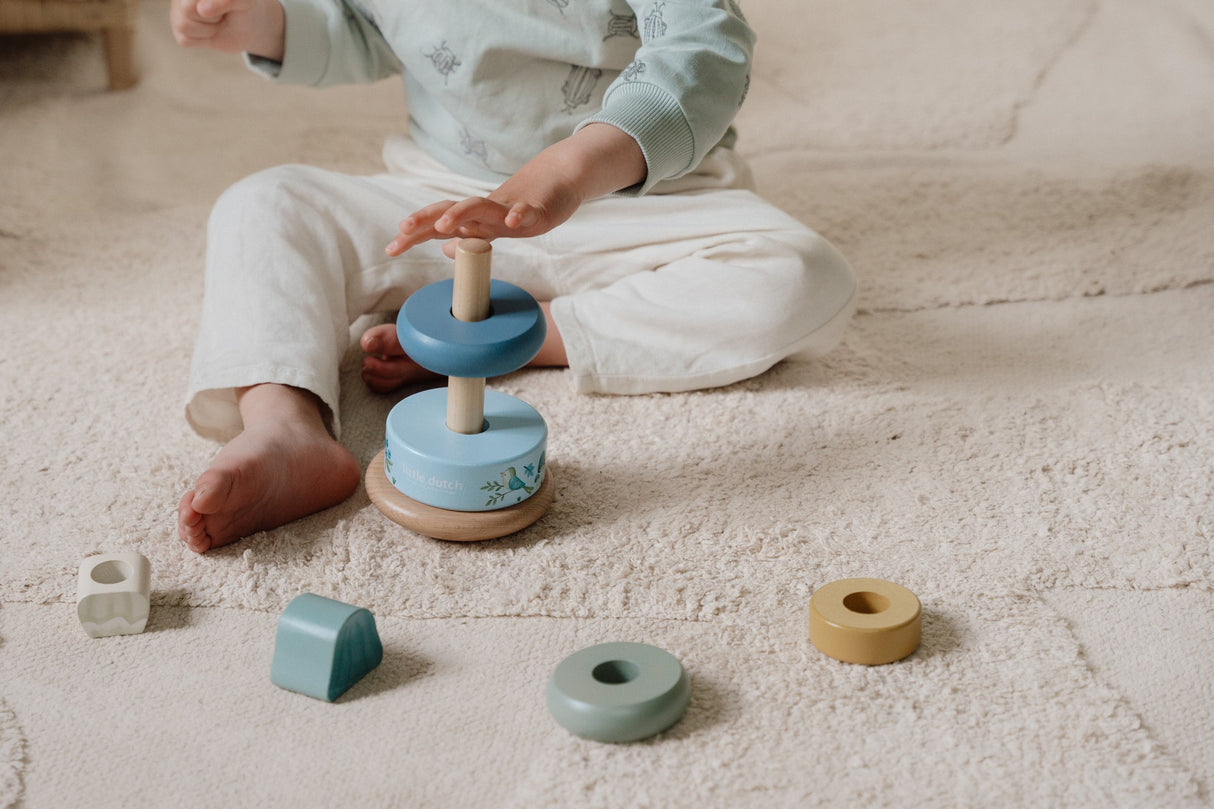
(465, 405)
(470, 303)
(470, 297)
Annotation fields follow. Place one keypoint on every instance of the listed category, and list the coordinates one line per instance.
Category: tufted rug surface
(1017, 427)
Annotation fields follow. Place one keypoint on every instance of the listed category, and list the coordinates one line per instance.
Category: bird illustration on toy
(510, 478)
(511, 483)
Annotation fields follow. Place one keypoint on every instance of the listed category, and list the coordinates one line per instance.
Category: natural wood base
(457, 526)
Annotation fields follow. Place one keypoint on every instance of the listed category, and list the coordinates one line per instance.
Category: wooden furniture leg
(120, 56)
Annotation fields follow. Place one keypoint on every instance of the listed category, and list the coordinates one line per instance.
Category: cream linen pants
(700, 283)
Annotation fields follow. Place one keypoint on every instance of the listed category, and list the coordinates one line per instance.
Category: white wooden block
(112, 594)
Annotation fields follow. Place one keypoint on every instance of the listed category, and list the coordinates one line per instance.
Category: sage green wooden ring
(618, 692)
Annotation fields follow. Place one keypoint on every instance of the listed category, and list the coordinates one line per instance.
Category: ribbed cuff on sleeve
(654, 118)
(306, 55)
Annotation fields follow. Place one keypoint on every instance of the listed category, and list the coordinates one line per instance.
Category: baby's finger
(410, 240)
(193, 32)
(405, 241)
(216, 10)
(522, 215)
(427, 216)
(418, 227)
(188, 27)
(474, 217)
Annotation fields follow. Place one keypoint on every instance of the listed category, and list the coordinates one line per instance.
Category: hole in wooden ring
(488, 315)
(616, 672)
(866, 603)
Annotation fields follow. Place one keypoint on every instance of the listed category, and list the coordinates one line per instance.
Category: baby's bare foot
(386, 367)
(276, 471)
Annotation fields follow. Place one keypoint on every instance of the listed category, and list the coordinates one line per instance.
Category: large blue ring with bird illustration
(505, 341)
(495, 468)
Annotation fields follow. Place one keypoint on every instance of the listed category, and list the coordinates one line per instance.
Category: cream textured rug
(1017, 427)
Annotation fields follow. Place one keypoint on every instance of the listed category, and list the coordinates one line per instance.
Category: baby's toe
(382, 341)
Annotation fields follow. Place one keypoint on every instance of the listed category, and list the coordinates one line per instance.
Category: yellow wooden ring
(868, 621)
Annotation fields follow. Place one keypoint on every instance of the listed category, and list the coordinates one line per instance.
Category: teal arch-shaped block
(323, 647)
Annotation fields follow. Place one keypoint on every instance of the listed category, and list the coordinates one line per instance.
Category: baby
(593, 137)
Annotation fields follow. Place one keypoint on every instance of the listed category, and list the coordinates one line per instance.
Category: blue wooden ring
(618, 692)
(498, 467)
(506, 341)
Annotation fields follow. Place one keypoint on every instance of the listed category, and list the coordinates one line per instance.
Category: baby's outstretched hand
(598, 159)
(485, 217)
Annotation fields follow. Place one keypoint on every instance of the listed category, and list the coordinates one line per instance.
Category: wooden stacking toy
(463, 462)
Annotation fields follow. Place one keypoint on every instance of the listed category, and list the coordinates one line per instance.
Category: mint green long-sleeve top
(490, 83)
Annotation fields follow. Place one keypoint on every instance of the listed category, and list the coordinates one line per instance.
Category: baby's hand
(476, 217)
(597, 159)
(232, 26)
(541, 195)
